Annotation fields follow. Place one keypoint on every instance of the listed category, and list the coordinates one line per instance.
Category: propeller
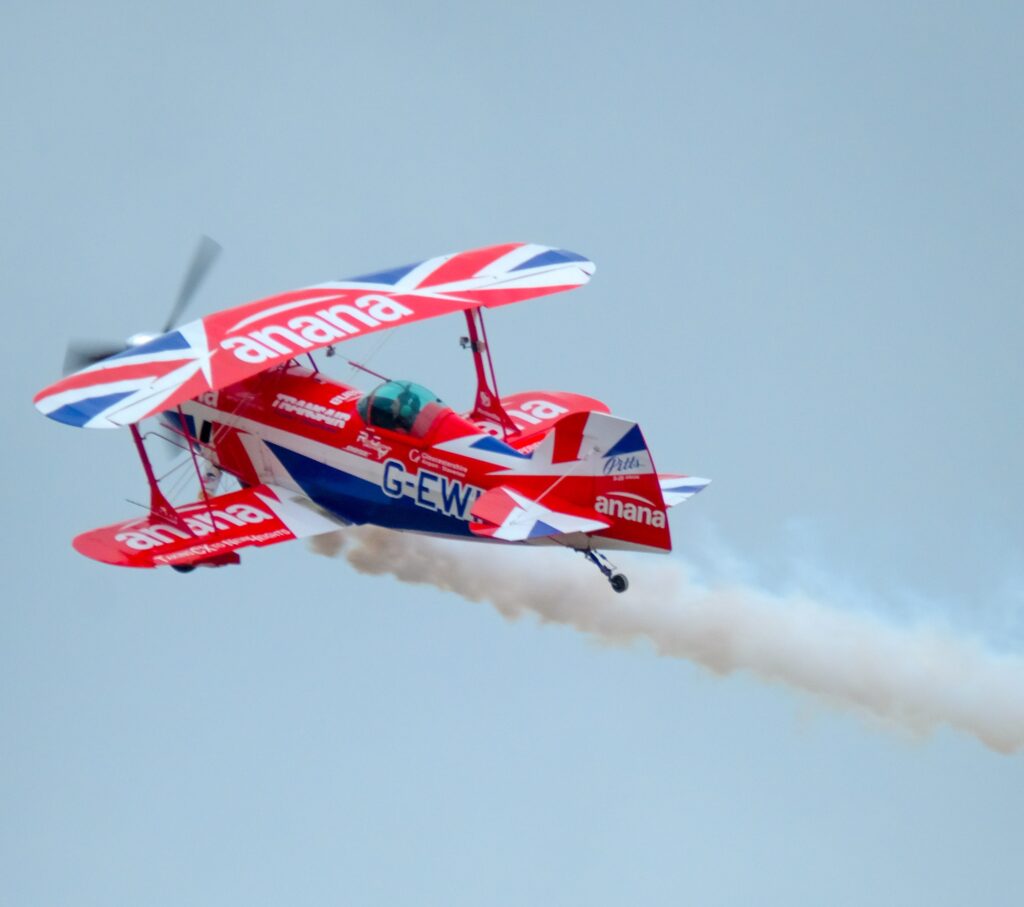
(82, 353)
(202, 260)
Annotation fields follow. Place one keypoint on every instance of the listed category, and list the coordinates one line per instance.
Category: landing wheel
(618, 580)
(183, 568)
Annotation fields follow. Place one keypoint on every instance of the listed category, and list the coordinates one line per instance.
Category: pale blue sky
(807, 220)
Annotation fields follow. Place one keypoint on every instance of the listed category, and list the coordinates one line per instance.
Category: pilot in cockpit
(401, 406)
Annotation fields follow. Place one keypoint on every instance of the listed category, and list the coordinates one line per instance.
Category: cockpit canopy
(401, 406)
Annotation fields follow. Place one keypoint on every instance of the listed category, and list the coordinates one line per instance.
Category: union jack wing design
(230, 346)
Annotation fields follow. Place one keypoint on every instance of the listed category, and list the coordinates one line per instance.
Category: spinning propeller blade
(83, 353)
(202, 260)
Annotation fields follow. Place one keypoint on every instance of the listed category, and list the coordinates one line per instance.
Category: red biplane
(311, 454)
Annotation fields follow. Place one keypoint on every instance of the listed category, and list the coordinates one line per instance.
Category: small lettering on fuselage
(346, 397)
(315, 411)
(374, 443)
(429, 490)
(424, 458)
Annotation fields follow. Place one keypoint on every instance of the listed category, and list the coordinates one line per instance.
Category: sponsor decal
(613, 465)
(346, 397)
(429, 460)
(630, 507)
(211, 548)
(430, 491)
(304, 332)
(490, 415)
(491, 428)
(533, 412)
(529, 413)
(373, 442)
(315, 411)
(198, 524)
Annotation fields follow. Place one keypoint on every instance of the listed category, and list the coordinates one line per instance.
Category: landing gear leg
(617, 580)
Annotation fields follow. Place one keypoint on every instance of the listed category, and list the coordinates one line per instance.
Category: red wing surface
(209, 530)
(229, 346)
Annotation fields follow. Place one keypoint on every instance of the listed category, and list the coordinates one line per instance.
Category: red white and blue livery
(241, 391)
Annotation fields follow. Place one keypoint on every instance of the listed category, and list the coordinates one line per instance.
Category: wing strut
(158, 504)
(161, 509)
(487, 406)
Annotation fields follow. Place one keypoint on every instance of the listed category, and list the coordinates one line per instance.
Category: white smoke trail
(916, 676)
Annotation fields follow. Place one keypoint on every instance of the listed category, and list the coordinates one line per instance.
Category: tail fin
(616, 445)
(602, 463)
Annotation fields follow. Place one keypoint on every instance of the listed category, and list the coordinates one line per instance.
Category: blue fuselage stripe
(359, 501)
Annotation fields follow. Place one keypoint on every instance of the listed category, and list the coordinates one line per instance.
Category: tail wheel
(618, 580)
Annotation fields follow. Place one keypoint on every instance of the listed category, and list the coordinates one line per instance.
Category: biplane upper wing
(229, 346)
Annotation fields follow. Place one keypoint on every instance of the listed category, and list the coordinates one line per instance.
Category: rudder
(602, 462)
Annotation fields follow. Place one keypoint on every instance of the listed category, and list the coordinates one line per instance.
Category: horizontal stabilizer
(676, 489)
(512, 517)
(207, 531)
(534, 413)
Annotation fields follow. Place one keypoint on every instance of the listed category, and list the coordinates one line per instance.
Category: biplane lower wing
(510, 516)
(209, 531)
